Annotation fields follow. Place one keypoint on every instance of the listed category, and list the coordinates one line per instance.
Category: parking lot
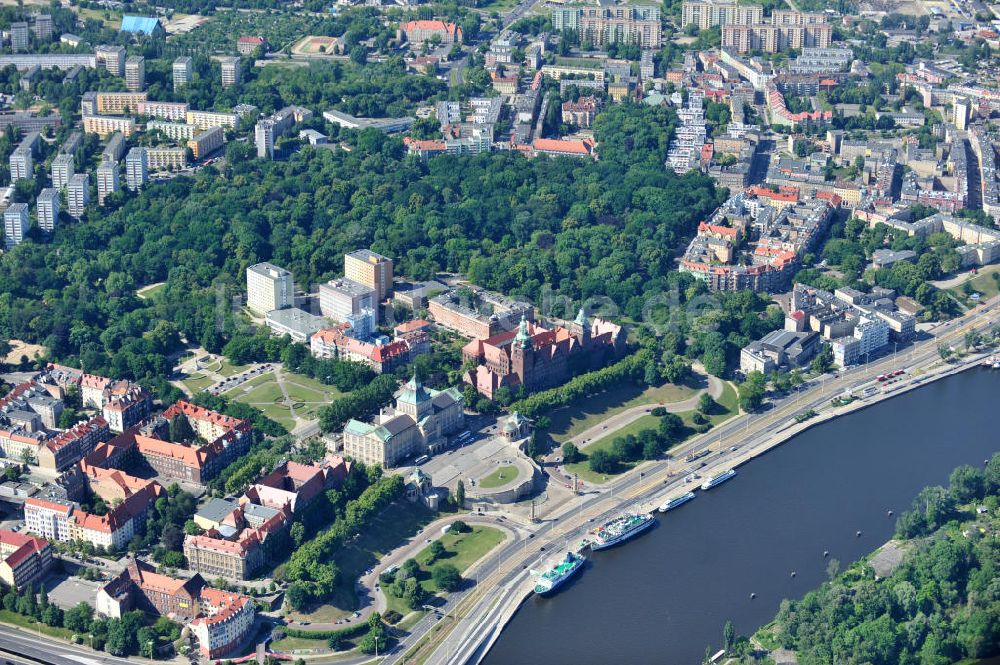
(66, 591)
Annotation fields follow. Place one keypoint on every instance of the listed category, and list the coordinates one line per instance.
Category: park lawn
(582, 468)
(461, 550)
(288, 643)
(498, 6)
(397, 523)
(226, 368)
(299, 393)
(982, 283)
(114, 20)
(729, 405)
(15, 619)
(500, 477)
(280, 413)
(197, 382)
(569, 421)
(267, 393)
(312, 384)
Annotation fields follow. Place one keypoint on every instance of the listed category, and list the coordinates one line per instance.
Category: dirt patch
(18, 349)
(317, 45)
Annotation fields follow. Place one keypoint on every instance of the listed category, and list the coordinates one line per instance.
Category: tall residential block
(232, 71)
(112, 58)
(63, 169)
(263, 138)
(182, 72)
(136, 169)
(48, 204)
(135, 73)
(206, 142)
(22, 165)
(107, 180)
(15, 224)
(600, 26)
(709, 13)
(43, 27)
(78, 194)
(340, 299)
(269, 287)
(20, 37)
(373, 270)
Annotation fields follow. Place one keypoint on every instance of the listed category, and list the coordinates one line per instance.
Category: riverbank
(731, 553)
(768, 432)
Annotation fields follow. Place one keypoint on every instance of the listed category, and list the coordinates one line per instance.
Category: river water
(662, 598)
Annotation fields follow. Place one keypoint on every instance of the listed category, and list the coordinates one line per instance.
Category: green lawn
(267, 393)
(461, 550)
(728, 406)
(197, 382)
(982, 283)
(15, 619)
(569, 421)
(397, 523)
(151, 292)
(288, 643)
(500, 477)
(582, 467)
(228, 369)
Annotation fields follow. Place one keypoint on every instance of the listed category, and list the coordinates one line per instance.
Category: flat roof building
(182, 71)
(370, 269)
(48, 204)
(269, 287)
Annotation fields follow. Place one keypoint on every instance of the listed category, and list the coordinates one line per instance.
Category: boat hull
(597, 545)
(542, 591)
(676, 503)
(718, 480)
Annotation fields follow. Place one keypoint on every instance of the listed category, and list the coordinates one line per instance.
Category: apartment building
(207, 119)
(64, 521)
(112, 58)
(370, 269)
(709, 13)
(63, 61)
(135, 73)
(232, 71)
(172, 111)
(63, 168)
(69, 447)
(269, 287)
(166, 158)
(787, 30)
(206, 142)
(182, 72)
(107, 180)
(581, 112)
(600, 26)
(78, 194)
(177, 131)
(119, 103)
(114, 149)
(22, 164)
(15, 224)
(220, 620)
(25, 559)
(136, 169)
(380, 356)
(48, 203)
(20, 36)
(103, 125)
(43, 27)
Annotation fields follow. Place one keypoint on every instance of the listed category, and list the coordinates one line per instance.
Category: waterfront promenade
(482, 613)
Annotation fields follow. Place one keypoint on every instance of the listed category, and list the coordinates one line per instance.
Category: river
(662, 598)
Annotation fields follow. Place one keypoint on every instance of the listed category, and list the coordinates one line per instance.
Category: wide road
(22, 646)
(657, 480)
